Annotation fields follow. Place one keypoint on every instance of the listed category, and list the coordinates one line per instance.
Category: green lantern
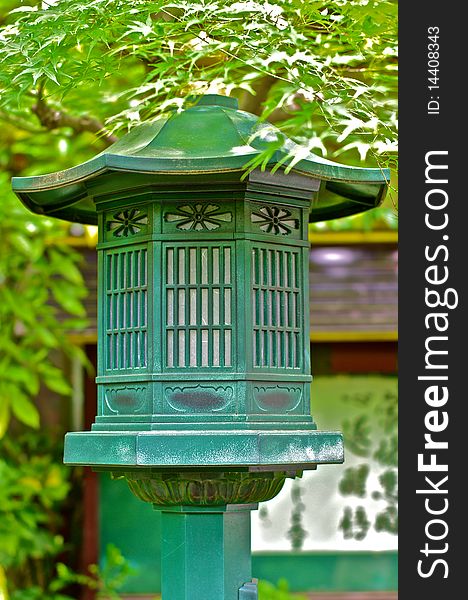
(203, 346)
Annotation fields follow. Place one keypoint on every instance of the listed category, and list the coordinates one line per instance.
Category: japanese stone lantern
(203, 327)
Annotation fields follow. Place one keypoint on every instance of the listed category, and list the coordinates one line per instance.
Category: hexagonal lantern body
(203, 310)
(203, 346)
(203, 317)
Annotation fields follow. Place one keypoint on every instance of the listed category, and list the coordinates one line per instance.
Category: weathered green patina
(203, 350)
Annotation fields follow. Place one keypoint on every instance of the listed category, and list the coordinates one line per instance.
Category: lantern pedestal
(206, 553)
(294, 449)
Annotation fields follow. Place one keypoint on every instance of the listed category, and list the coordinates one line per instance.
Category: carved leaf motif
(205, 489)
(199, 398)
(125, 400)
(277, 398)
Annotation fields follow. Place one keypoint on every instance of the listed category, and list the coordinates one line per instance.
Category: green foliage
(357, 433)
(39, 278)
(371, 435)
(38, 275)
(296, 532)
(106, 581)
(326, 74)
(354, 481)
(355, 523)
(384, 217)
(267, 591)
(34, 487)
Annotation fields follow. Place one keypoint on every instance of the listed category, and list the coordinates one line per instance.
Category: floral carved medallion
(128, 222)
(198, 217)
(272, 219)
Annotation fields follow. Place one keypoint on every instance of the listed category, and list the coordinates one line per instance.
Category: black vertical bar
(432, 333)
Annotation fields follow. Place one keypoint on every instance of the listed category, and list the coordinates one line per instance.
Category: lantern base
(205, 487)
(247, 448)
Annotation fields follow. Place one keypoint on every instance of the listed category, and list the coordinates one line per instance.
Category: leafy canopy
(325, 72)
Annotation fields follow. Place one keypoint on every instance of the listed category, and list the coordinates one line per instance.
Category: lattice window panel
(199, 306)
(126, 309)
(276, 305)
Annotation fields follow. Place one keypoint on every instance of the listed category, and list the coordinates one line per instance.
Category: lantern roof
(208, 139)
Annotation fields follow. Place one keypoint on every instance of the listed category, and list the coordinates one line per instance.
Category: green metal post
(206, 552)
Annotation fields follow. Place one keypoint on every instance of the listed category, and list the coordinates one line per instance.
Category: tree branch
(54, 119)
(253, 104)
(19, 122)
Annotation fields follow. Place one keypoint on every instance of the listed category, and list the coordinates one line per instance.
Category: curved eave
(352, 190)
(64, 194)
